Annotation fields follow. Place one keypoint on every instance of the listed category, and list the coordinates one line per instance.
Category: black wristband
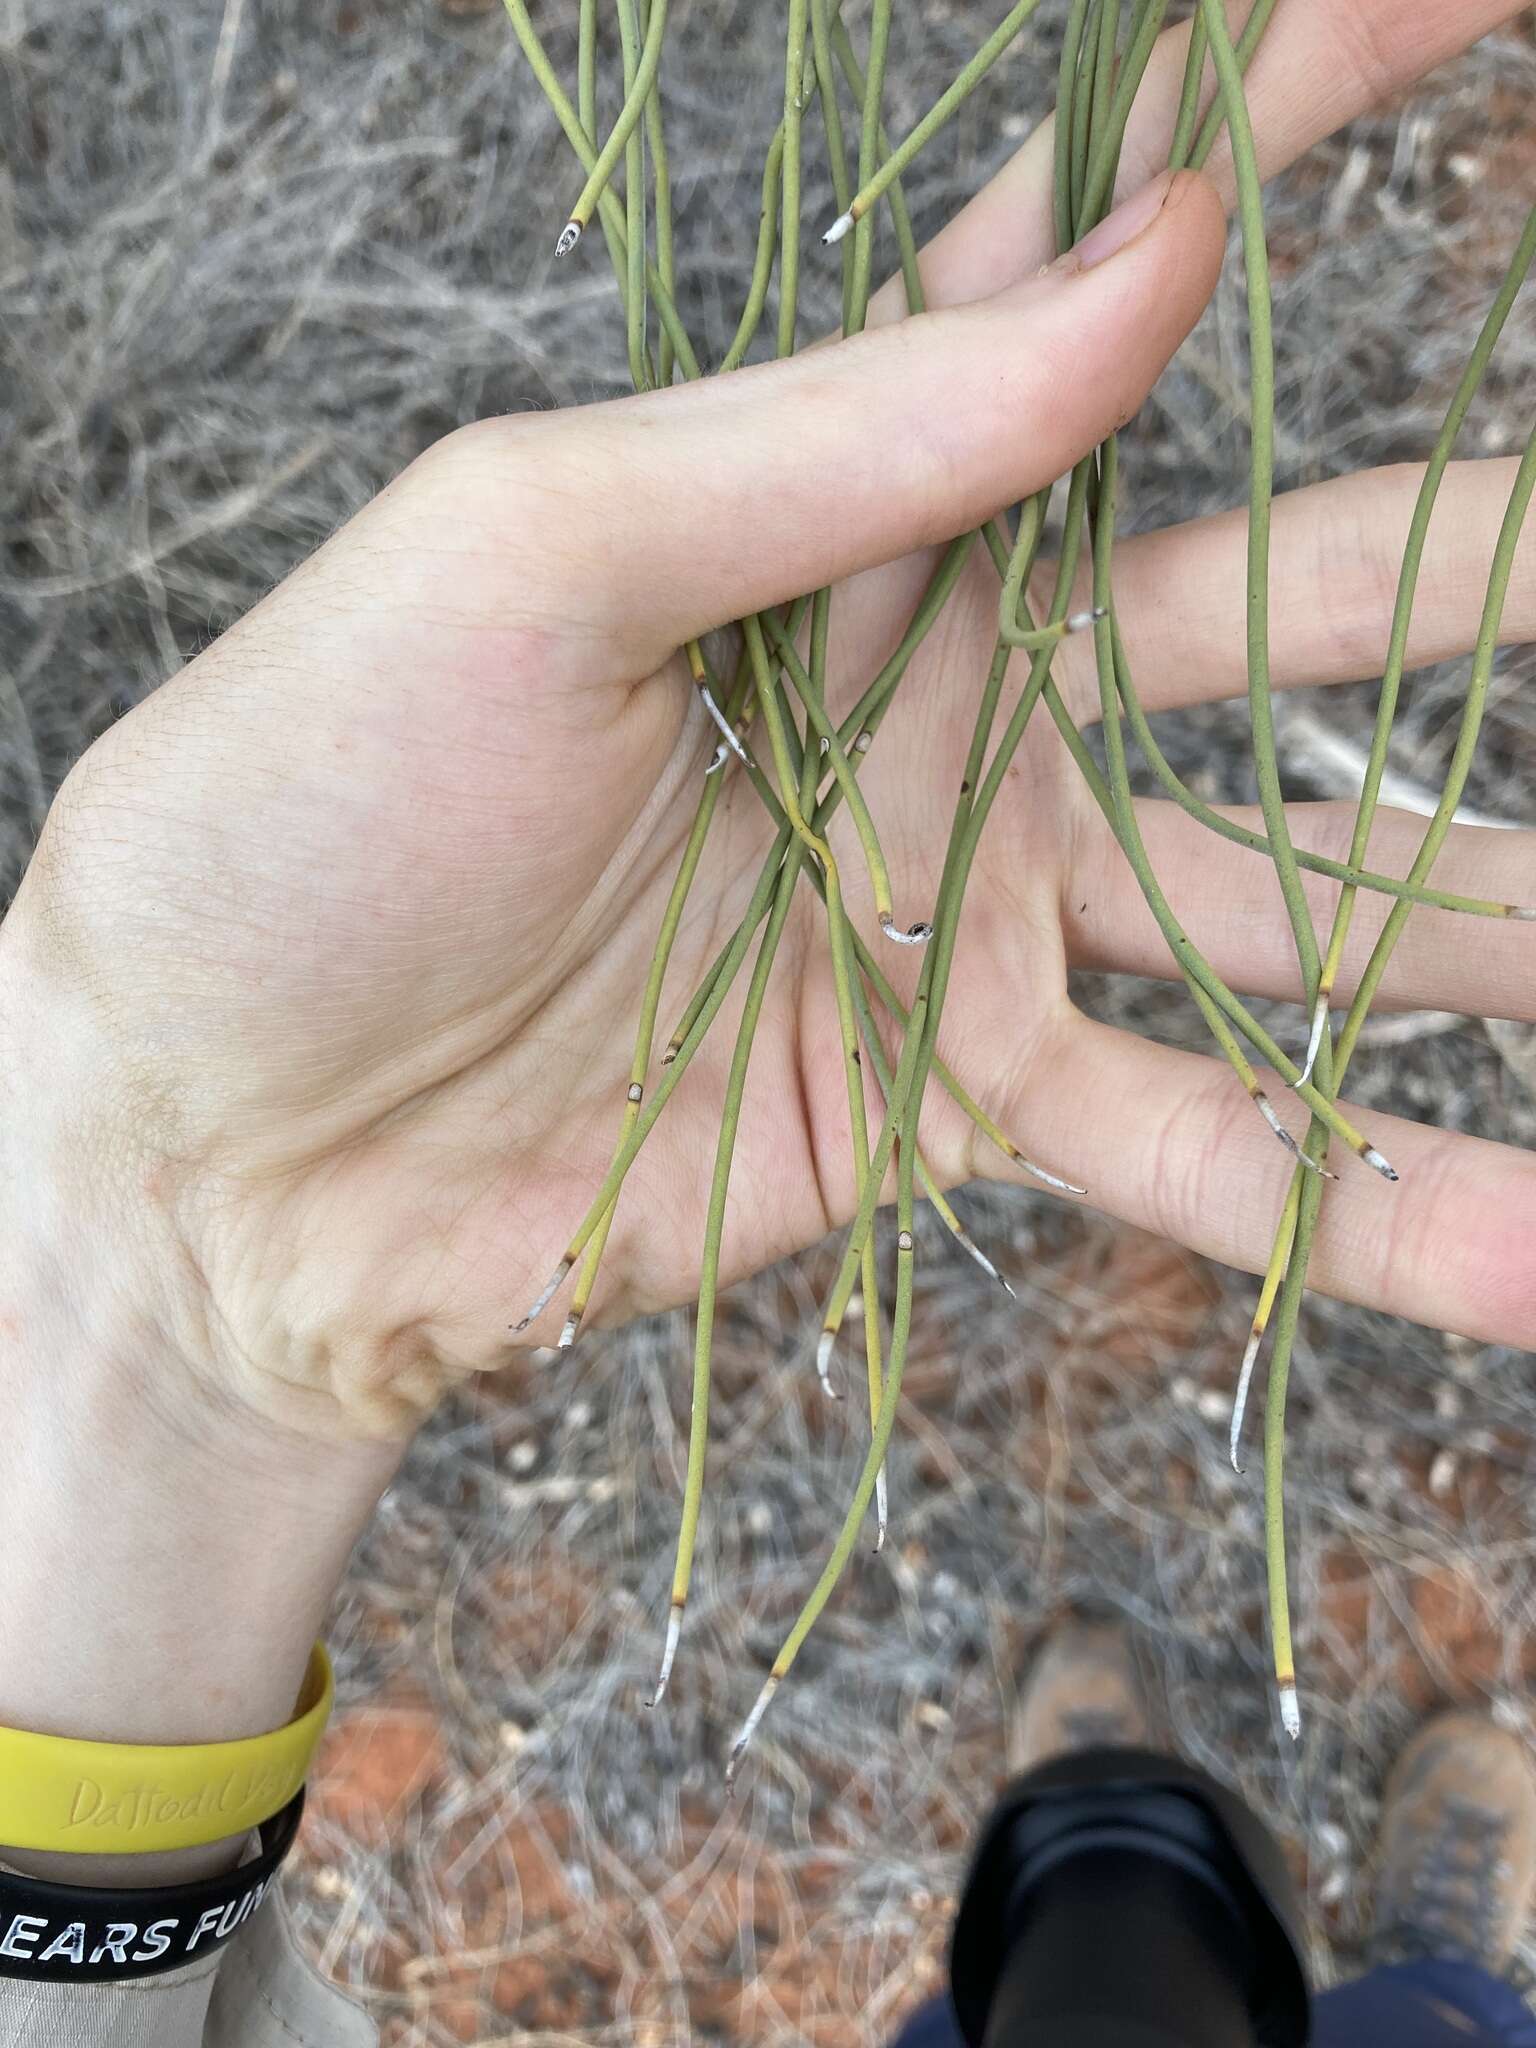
(77, 1934)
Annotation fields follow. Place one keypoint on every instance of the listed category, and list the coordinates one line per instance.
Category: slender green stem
(885, 1420)
(709, 1266)
(941, 112)
(927, 1179)
(1108, 139)
(847, 779)
(872, 972)
(675, 1065)
(1330, 1072)
(855, 733)
(1082, 116)
(650, 1003)
(1473, 706)
(869, 158)
(1101, 86)
(1189, 97)
(630, 115)
(901, 219)
(851, 1013)
(586, 96)
(1274, 1273)
(1261, 357)
(1247, 43)
(1309, 1203)
(832, 120)
(762, 267)
(1121, 813)
(641, 371)
(661, 172)
(576, 135)
(1402, 611)
(1066, 107)
(1210, 994)
(1240, 835)
(789, 187)
(970, 819)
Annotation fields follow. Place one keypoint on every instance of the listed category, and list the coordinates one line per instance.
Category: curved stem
(1240, 835)
(1473, 707)
(1247, 43)
(1402, 610)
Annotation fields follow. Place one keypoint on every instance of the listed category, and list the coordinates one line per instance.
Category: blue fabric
(1436, 2004)
(1442, 2004)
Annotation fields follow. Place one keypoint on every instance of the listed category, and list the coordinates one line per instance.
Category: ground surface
(251, 261)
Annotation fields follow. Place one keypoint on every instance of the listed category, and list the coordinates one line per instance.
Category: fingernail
(1122, 226)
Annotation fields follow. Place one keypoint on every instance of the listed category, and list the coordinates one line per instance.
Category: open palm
(352, 917)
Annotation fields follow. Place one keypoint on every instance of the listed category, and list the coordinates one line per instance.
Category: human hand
(336, 941)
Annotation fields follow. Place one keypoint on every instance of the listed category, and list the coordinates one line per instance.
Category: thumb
(743, 491)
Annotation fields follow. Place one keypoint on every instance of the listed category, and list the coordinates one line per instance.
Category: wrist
(170, 1555)
(169, 1563)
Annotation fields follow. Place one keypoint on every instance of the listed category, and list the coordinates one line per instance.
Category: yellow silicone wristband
(115, 1798)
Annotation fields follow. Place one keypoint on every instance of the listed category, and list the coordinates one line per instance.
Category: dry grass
(240, 284)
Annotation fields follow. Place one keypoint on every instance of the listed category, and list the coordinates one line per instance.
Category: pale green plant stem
(842, 768)
(1402, 611)
(1240, 835)
(1216, 115)
(641, 371)
(970, 818)
(872, 972)
(1188, 116)
(1100, 93)
(864, 718)
(714, 1231)
(1473, 707)
(1261, 368)
(1107, 141)
(650, 1004)
(1061, 137)
(832, 120)
(901, 220)
(789, 182)
(869, 158)
(636, 97)
(927, 1178)
(1331, 1070)
(885, 1421)
(608, 205)
(943, 110)
(1080, 109)
(586, 99)
(661, 178)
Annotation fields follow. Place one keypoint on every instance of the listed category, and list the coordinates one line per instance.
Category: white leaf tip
(824, 1345)
(668, 1655)
(1290, 1710)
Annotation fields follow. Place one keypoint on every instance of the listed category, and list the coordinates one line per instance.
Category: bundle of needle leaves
(766, 694)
